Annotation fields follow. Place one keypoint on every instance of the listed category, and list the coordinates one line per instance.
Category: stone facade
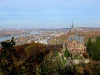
(75, 43)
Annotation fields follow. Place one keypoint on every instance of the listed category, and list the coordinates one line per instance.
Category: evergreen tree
(89, 47)
(93, 49)
(66, 53)
(96, 53)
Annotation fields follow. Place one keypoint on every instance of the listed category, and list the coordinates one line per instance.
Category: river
(9, 37)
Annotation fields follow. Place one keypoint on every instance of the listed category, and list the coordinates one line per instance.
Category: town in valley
(49, 37)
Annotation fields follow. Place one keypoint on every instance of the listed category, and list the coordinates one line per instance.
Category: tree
(93, 48)
(34, 56)
(8, 57)
(96, 53)
(89, 47)
(66, 53)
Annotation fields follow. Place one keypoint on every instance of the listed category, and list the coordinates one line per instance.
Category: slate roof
(75, 37)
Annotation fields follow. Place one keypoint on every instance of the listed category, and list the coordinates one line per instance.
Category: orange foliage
(85, 55)
(21, 48)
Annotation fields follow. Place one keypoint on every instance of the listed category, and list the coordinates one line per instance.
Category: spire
(72, 30)
(72, 25)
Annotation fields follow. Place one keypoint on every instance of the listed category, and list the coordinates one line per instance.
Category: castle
(75, 43)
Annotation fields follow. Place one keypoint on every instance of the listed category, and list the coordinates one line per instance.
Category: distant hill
(88, 28)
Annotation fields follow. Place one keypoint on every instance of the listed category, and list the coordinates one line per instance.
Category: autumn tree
(34, 55)
(8, 56)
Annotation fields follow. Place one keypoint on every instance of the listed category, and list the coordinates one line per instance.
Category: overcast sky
(49, 13)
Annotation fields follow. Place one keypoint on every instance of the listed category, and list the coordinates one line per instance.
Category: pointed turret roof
(72, 25)
(72, 30)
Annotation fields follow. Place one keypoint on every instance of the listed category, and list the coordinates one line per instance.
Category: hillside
(85, 32)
